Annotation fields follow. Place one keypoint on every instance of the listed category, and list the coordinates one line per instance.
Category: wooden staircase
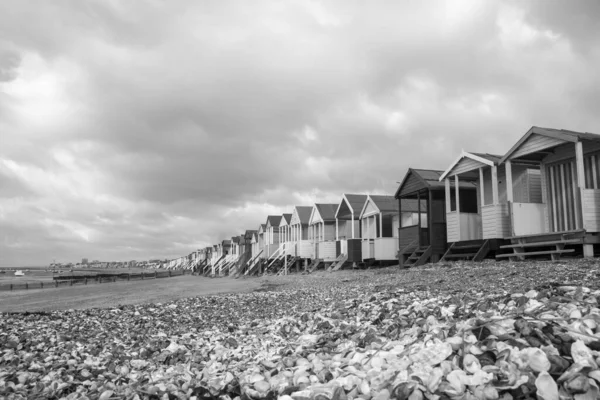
(552, 245)
(314, 264)
(255, 267)
(419, 256)
(338, 263)
(216, 265)
(470, 251)
(287, 265)
(278, 256)
(252, 263)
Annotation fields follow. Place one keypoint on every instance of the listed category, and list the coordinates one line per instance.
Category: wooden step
(461, 255)
(535, 253)
(467, 246)
(561, 233)
(541, 244)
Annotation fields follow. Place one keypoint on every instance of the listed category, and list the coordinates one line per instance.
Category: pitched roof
(235, 239)
(356, 201)
(384, 202)
(491, 157)
(304, 213)
(226, 242)
(481, 158)
(274, 220)
(287, 218)
(326, 211)
(560, 134)
(387, 203)
(430, 179)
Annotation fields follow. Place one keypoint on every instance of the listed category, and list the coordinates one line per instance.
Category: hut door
(563, 191)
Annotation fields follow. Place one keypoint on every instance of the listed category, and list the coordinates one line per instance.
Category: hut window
(591, 165)
(412, 219)
(468, 201)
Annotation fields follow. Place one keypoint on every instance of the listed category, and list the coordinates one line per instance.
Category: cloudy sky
(134, 130)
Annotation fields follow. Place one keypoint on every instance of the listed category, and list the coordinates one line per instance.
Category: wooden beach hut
(299, 232)
(380, 226)
(262, 229)
(208, 254)
(379, 217)
(234, 256)
(285, 234)
(347, 228)
(425, 240)
(565, 218)
(321, 231)
(235, 246)
(480, 224)
(217, 257)
(225, 250)
(245, 250)
(272, 236)
(256, 248)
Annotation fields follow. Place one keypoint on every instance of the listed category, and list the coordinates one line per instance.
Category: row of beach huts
(540, 199)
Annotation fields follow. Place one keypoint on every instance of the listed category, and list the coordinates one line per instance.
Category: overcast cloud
(135, 130)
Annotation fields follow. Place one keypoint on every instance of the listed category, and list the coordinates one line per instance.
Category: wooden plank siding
(366, 250)
(495, 221)
(411, 185)
(452, 227)
(304, 249)
(386, 248)
(329, 231)
(327, 251)
(534, 183)
(408, 235)
(591, 209)
(370, 209)
(534, 144)
(466, 165)
(345, 229)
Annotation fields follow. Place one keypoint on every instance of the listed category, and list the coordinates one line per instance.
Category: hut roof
(559, 135)
(326, 211)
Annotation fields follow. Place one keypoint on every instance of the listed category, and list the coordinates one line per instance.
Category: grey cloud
(195, 119)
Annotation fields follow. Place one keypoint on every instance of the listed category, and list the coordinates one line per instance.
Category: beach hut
(378, 217)
(247, 242)
(565, 216)
(285, 234)
(256, 248)
(424, 240)
(272, 236)
(321, 231)
(299, 232)
(227, 257)
(234, 253)
(347, 228)
(244, 251)
(216, 258)
(235, 246)
(262, 229)
(477, 221)
(380, 223)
